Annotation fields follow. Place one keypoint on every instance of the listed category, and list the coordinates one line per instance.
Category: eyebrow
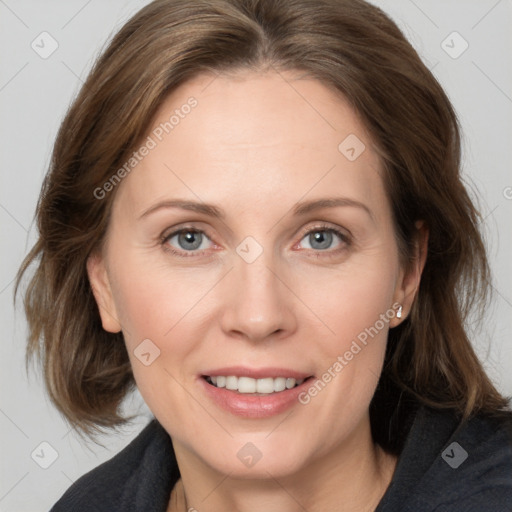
(317, 204)
(204, 208)
(299, 209)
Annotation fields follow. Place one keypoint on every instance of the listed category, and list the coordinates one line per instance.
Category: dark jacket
(443, 467)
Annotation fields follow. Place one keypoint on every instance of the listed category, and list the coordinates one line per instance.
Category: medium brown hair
(348, 45)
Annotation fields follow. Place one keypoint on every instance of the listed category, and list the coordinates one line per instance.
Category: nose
(257, 303)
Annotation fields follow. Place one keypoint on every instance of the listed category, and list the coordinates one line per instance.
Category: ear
(409, 278)
(100, 284)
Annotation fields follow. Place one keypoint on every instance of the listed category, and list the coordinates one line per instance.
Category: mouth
(254, 393)
(254, 387)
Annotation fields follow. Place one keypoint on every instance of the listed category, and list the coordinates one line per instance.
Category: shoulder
(451, 466)
(477, 470)
(139, 477)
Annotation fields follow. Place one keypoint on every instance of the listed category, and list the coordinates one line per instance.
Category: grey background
(34, 95)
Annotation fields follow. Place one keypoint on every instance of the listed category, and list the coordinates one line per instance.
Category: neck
(356, 474)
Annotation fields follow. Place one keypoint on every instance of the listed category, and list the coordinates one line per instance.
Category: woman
(254, 214)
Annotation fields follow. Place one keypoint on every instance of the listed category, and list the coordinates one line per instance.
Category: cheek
(142, 310)
(151, 300)
(154, 309)
(166, 307)
(356, 306)
(349, 300)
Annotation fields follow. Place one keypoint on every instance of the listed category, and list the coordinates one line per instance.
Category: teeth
(264, 385)
(232, 383)
(248, 385)
(279, 384)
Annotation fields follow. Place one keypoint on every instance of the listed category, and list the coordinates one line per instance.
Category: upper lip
(256, 373)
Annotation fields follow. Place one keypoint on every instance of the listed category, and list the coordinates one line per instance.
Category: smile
(254, 393)
(248, 385)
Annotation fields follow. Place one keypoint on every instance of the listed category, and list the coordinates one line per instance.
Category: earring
(399, 312)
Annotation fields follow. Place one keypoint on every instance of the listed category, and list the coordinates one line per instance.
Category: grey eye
(320, 239)
(188, 240)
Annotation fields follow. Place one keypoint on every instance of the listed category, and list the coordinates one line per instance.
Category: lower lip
(249, 406)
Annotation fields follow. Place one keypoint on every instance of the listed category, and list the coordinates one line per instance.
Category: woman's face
(250, 250)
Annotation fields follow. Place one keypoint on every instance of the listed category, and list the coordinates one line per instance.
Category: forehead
(240, 139)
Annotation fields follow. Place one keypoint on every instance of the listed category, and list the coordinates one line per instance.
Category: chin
(254, 457)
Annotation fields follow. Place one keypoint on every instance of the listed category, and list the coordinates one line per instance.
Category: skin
(255, 145)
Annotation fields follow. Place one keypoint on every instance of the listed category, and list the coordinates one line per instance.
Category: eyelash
(344, 239)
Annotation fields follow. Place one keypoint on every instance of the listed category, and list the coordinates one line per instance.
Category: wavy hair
(349, 45)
